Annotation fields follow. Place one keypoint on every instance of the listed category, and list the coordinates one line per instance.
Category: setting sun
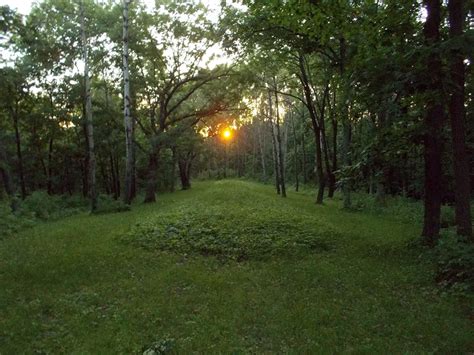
(227, 133)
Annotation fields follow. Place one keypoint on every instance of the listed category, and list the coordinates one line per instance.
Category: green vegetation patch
(213, 232)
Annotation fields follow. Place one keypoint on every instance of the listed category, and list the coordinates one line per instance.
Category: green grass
(280, 275)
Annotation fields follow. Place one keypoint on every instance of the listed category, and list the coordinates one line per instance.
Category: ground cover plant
(352, 282)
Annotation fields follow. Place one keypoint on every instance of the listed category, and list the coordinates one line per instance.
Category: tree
(129, 158)
(88, 111)
(462, 187)
(434, 118)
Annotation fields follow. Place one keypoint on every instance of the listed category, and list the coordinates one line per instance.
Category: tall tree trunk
(7, 180)
(303, 148)
(457, 118)
(88, 114)
(332, 185)
(433, 124)
(114, 176)
(274, 144)
(261, 144)
(316, 129)
(127, 111)
(184, 164)
(319, 167)
(281, 161)
(346, 128)
(50, 166)
(117, 175)
(150, 191)
(329, 170)
(21, 172)
(296, 157)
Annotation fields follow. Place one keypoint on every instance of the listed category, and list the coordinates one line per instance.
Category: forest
(245, 176)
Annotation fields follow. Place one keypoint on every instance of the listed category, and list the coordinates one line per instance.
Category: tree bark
(88, 114)
(261, 145)
(316, 130)
(433, 124)
(274, 145)
(184, 165)
(129, 161)
(7, 180)
(150, 191)
(281, 161)
(457, 118)
(21, 172)
(346, 128)
(296, 158)
(50, 166)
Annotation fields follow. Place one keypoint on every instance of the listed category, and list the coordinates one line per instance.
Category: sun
(227, 133)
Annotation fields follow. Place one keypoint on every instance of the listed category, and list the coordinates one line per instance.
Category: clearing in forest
(225, 267)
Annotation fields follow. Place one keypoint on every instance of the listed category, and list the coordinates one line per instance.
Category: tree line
(115, 98)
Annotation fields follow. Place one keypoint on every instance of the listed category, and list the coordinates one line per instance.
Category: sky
(24, 6)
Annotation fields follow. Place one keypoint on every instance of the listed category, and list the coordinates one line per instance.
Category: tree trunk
(281, 162)
(457, 118)
(433, 124)
(346, 143)
(184, 173)
(114, 176)
(261, 144)
(303, 148)
(332, 184)
(346, 128)
(50, 166)
(319, 167)
(18, 152)
(316, 129)
(7, 180)
(127, 111)
(150, 191)
(296, 158)
(329, 170)
(274, 145)
(88, 116)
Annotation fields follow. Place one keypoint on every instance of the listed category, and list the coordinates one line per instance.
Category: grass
(227, 267)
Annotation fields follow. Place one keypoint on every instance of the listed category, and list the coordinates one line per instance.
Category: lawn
(226, 267)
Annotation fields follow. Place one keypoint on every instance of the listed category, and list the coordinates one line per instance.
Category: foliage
(403, 209)
(162, 346)
(9, 222)
(107, 204)
(455, 258)
(41, 206)
(208, 233)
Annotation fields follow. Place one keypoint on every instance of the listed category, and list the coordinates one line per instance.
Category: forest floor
(230, 267)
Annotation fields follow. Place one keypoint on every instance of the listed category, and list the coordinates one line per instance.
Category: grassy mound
(237, 236)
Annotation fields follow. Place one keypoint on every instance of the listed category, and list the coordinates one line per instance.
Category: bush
(106, 204)
(39, 206)
(455, 259)
(10, 223)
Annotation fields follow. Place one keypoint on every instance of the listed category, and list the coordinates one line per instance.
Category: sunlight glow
(227, 134)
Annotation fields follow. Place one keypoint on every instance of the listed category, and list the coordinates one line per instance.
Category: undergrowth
(41, 207)
(213, 232)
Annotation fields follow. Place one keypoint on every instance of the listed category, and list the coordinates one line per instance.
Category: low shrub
(106, 204)
(455, 259)
(9, 222)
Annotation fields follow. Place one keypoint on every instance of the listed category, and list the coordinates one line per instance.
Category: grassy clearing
(225, 267)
